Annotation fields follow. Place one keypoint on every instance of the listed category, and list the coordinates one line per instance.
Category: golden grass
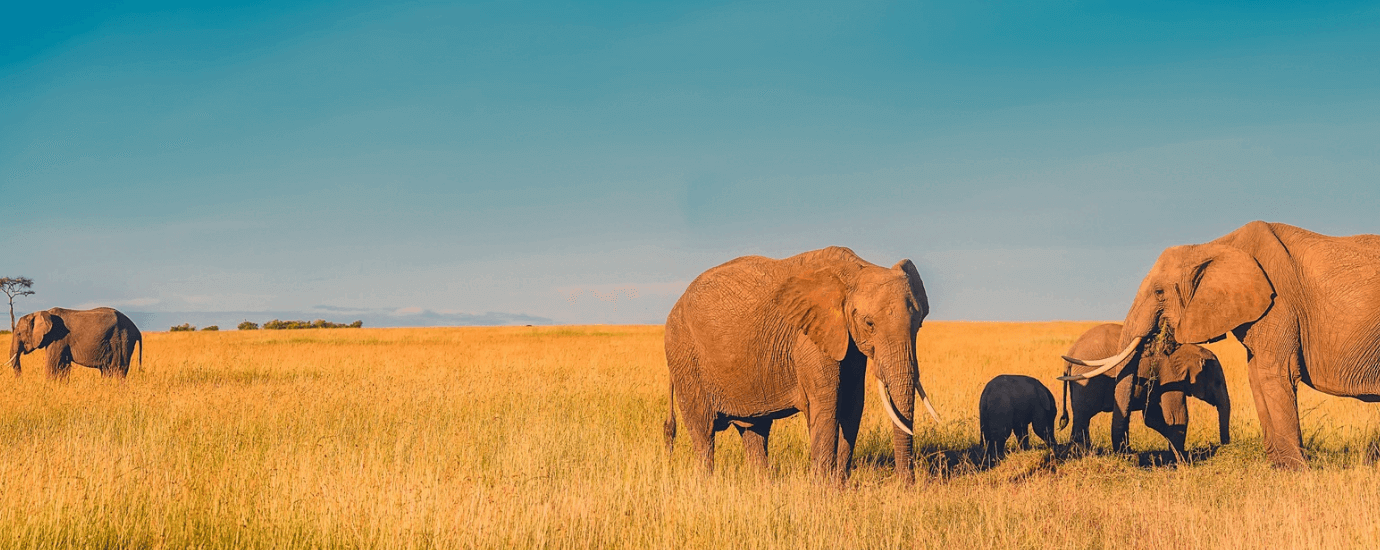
(551, 437)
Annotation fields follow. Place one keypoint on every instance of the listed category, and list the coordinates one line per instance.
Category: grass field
(521, 437)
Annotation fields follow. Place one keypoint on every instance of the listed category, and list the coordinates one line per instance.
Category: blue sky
(422, 163)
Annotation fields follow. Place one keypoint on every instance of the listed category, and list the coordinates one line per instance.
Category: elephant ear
(1223, 289)
(43, 324)
(917, 287)
(1183, 366)
(814, 302)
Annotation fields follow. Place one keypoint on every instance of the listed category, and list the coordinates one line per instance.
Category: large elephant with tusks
(757, 339)
(1305, 306)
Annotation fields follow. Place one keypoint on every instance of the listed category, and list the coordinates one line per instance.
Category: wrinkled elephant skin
(758, 339)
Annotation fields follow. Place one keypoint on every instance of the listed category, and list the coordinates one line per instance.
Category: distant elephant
(1305, 306)
(1014, 405)
(100, 338)
(1162, 382)
(757, 339)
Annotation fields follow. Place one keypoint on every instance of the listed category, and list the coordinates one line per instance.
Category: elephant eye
(868, 320)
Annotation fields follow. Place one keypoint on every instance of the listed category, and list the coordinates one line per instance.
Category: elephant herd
(756, 340)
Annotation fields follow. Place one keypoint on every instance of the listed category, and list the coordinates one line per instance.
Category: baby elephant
(1013, 404)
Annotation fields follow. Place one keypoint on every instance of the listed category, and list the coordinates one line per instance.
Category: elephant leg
(59, 362)
(1276, 401)
(702, 439)
(1121, 414)
(755, 442)
(1079, 435)
(1121, 428)
(994, 445)
(1044, 428)
(1022, 432)
(824, 440)
(852, 392)
(820, 380)
(1175, 433)
(699, 423)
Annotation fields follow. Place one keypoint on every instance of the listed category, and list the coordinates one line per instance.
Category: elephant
(1162, 382)
(101, 338)
(1305, 306)
(758, 339)
(1014, 404)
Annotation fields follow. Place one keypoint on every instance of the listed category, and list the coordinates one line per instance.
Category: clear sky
(580, 162)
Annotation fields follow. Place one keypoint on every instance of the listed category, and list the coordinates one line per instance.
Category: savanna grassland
(520, 437)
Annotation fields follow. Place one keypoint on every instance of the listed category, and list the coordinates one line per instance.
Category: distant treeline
(188, 327)
(281, 325)
(273, 325)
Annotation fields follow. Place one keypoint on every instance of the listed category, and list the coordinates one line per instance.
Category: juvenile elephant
(1163, 377)
(1305, 306)
(757, 339)
(1013, 405)
(100, 338)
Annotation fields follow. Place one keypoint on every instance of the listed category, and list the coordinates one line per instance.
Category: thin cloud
(135, 302)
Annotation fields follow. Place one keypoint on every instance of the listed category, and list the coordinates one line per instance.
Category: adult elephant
(1305, 306)
(757, 339)
(1163, 379)
(100, 338)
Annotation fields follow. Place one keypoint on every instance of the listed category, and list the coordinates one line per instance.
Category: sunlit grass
(551, 436)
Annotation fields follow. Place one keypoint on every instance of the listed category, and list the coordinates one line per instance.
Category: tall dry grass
(551, 437)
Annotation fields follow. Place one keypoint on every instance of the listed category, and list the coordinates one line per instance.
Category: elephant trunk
(900, 382)
(1141, 321)
(902, 441)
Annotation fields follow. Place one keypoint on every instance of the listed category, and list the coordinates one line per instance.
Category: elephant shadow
(948, 462)
(1146, 460)
(938, 460)
(1150, 460)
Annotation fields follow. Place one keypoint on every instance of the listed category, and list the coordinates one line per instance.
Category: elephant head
(878, 312)
(1193, 294)
(31, 332)
(1190, 370)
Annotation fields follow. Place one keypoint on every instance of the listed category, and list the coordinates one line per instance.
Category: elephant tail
(669, 429)
(1064, 406)
(140, 341)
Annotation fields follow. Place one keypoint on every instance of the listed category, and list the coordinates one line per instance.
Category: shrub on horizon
(319, 323)
(248, 325)
(184, 327)
(212, 328)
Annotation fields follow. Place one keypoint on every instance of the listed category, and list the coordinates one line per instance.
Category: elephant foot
(1295, 464)
(1286, 457)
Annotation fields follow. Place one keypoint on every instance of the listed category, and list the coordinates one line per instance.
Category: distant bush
(4, 332)
(248, 325)
(319, 323)
(184, 327)
(212, 328)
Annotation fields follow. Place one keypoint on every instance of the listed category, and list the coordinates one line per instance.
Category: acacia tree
(14, 287)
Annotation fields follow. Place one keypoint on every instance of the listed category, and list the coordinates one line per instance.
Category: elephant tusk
(1105, 364)
(891, 409)
(926, 400)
